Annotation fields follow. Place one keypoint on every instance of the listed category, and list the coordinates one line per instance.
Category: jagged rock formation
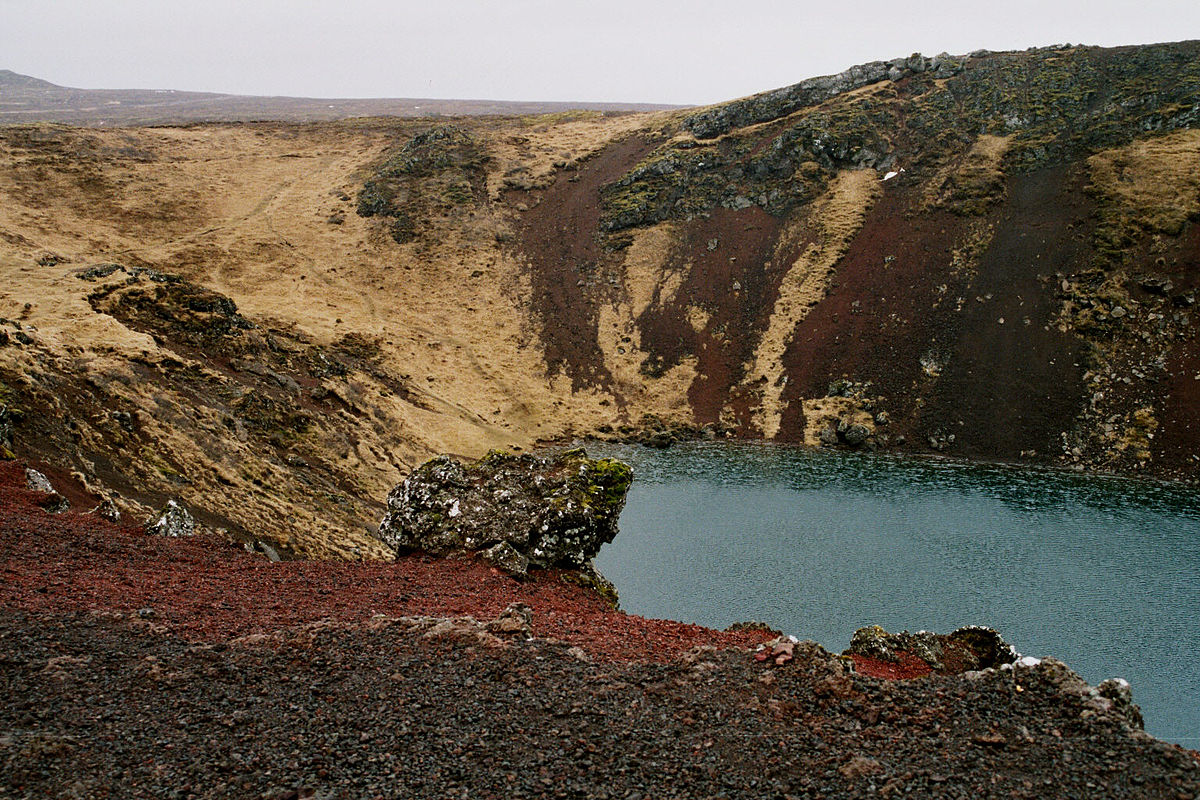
(969, 648)
(516, 511)
(52, 501)
(37, 481)
(173, 521)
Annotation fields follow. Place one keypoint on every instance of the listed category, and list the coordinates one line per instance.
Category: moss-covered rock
(170, 309)
(969, 648)
(435, 171)
(553, 511)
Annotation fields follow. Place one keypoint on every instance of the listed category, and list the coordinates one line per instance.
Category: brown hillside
(990, 257)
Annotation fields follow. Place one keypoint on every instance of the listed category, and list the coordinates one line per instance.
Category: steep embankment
(991, 256)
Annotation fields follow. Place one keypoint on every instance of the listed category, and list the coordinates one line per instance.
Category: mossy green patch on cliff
(608, 481)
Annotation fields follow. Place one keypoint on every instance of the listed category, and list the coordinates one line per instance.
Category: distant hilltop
(28, 99)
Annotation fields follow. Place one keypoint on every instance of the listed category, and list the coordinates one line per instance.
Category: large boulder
(526, 510)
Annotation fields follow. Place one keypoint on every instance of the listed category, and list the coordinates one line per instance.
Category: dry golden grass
(970, 183)
(1152, 184)
(245, 210)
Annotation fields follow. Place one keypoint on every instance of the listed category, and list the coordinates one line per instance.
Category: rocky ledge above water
(516, 511)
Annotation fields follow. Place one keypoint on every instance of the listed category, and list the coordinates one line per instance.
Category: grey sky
(612, 50)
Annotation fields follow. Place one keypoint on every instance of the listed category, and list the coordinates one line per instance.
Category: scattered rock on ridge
(507, 558)
(54, 502)
(1120, 694)
(1112, 698)
(515, 620)
(174, 521)
(259, 546)
(521, 510)
(853, 434)
(712, 122)
(108, 510)
(753, 625)
(37, 482)
(969, 648)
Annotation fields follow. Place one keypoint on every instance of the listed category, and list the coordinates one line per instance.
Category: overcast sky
(610, 50)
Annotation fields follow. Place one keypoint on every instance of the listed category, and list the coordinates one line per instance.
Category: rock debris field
(136, 666)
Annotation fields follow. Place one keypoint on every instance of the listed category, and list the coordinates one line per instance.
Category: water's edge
(1102, 572)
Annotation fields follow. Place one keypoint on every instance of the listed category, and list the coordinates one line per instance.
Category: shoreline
(1136, 478)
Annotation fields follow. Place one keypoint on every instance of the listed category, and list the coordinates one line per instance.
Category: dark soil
(1177, 446)
(560, 242)
(726, 257)
(102, 709)
(879, 316)
(126, 672)
(1012, 381)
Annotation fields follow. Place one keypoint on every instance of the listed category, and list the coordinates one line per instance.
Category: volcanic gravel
(120, 682)
(204, 588)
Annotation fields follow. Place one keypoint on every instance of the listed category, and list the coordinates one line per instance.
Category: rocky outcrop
(37, 482)
(981, 656)
(1119, 695)
(174, 520)
(52, 501)
(6, 430)
(439, 168)
(1113, 698)
(969, 648)
(768, 106)
(517, 511)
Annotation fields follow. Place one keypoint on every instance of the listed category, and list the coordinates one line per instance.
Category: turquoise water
(1102, 573)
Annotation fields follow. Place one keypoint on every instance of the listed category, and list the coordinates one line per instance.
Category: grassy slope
(533, 277)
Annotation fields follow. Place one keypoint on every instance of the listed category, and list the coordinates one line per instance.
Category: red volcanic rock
(906, 666)
(244, 677)
(207, 589)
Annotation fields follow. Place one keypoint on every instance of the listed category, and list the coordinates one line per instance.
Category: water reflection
(1101, 572)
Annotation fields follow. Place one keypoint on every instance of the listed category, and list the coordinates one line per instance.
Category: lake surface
(1102, 573)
